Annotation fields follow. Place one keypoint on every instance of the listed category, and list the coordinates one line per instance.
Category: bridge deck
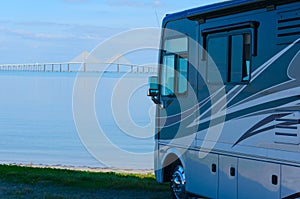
(78, 67)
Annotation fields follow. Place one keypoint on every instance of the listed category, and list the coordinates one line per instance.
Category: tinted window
(168, 75)
(217, 50)
(231, 55)
(182, 69)
(175, 67)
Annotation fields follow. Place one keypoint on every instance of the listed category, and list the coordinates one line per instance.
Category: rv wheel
(177, 182)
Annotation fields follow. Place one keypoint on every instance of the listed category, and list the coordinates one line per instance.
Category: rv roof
(225, 8)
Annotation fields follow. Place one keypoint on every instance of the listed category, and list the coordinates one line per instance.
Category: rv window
(182, 69)
(174, 66)
(168, 75)
(176, 45)
(217, 60)
(229, 56)
(247, 57)
(236, 59)
(240, 58)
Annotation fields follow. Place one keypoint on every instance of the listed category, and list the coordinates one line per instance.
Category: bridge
(79, 67)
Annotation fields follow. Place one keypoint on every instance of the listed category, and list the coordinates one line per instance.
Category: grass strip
(79, 179)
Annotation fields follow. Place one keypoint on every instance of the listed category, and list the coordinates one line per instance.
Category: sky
(35, 31)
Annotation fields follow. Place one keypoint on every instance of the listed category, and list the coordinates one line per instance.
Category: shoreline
(86, 169)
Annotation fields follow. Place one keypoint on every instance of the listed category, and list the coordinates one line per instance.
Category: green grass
(30, 179)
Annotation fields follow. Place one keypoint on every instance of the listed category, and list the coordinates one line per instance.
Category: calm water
(37, 125)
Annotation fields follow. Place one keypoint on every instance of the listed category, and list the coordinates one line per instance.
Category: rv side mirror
(153, 91)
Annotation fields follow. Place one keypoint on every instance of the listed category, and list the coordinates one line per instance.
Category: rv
(228, 101)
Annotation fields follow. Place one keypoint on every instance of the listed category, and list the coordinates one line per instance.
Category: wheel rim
(178, 182)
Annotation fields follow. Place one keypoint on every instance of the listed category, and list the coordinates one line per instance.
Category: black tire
(178, 181)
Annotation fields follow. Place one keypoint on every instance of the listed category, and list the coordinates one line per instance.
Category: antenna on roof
(157, 20)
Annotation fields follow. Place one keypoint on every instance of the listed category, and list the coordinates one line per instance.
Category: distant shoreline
(88, 169)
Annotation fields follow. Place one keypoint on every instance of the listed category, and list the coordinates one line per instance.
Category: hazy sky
(34, 31)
